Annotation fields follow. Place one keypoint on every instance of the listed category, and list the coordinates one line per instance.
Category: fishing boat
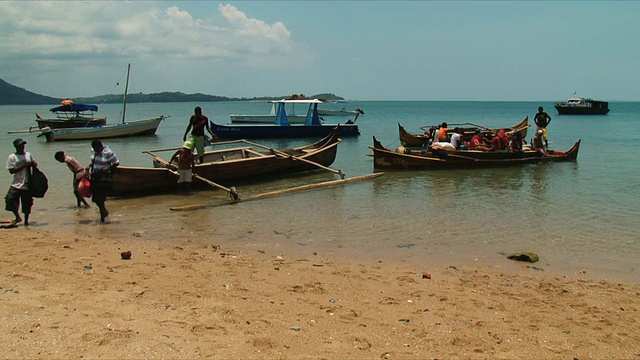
(123, 129)
(408, 139)
(70, 115)
(582, 106)
(404, 158)
(282, 128)
(334, 111)
(247, 161)
(341, 112)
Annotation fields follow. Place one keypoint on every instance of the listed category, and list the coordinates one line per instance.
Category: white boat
(582, 106)
(123, 129)
(339, 112)
(270, 118)
(131, 128)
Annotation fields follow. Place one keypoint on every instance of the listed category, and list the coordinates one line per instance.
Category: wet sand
(70, 295)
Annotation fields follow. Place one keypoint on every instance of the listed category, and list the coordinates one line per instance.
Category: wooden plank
(284, 191)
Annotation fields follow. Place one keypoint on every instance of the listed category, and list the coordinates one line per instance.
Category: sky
(361, 50)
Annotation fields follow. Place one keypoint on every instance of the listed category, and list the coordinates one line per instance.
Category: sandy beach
(68, 295)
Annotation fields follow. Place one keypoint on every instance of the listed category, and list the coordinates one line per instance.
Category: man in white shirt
(19, 164)
(456, 138)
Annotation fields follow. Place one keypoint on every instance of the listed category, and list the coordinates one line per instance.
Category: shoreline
(208, 300)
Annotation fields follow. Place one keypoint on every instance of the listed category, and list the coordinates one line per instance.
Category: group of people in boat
(504, 140)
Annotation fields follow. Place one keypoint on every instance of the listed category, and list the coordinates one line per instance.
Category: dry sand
(196, 300)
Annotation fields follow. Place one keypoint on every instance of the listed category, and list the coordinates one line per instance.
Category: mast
(124, 98)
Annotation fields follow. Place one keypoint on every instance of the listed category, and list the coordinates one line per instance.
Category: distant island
(13, 95)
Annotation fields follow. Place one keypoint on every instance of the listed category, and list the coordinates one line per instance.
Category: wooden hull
(408, 139)
(129, 180)
(465, 159)
(70, 123)
(132, 128)
(564, 109)
(243, 164)
(278, 131)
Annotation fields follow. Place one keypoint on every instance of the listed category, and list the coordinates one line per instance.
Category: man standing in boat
(542, 120)
(197, 124)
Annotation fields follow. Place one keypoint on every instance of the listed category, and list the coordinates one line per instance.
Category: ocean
(580, 218)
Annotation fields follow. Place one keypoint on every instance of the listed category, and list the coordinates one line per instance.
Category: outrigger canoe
(404, 158)
(408, 139)
(239, 163)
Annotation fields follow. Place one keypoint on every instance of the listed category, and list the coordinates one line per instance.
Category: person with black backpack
(19, 165)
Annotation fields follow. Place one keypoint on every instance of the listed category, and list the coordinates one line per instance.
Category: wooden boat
(70, 115)
(281, 128)
(251, 161)
(404, 158)
(130, 180)
(123, 129)
(582, 106)
(408, 139)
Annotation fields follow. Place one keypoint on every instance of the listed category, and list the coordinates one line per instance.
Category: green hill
(13, 95)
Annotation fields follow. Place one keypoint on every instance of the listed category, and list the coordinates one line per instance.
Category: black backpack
(38, 184)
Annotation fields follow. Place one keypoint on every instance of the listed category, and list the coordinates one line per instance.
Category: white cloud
(55, 35)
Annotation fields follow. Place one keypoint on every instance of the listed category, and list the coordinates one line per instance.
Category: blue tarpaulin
(75, 107)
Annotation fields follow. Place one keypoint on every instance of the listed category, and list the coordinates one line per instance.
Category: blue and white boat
(282, 128)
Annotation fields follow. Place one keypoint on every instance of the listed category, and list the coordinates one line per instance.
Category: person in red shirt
(478, 142)
(197, 124)
(500, 142)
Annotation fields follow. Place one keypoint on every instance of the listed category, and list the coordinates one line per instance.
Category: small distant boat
(282, 128)
(292, 117)
(69, 115)
(270, 118)
(582, 106)
(418, 140)
(340, 112)
(248, 161)
(404, 159)
(123, 129)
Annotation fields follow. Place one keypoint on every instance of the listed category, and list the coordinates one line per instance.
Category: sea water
(580, 218)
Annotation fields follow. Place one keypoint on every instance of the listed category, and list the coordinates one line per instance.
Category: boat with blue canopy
(71, 115)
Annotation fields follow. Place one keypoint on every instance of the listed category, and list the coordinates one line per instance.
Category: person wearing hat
(186, 164)
(542, 120)
(538, 142)
(19, 164)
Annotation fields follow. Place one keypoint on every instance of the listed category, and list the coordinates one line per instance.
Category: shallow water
(576, 216)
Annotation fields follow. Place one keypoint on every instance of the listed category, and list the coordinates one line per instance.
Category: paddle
(284, 191)
(232, 190)
(285, 155)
